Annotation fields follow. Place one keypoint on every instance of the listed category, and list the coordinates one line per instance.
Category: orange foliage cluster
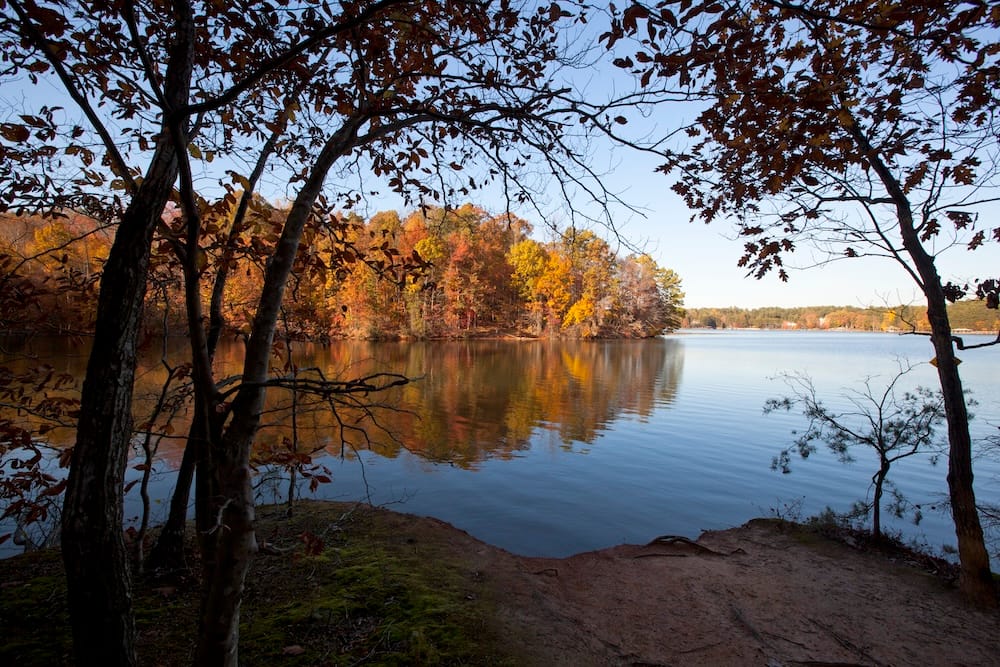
(48, 272)
(436, 273)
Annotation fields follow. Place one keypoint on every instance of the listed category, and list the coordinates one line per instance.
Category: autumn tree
(428, 63)
(412, 93)
(854, 128)
(648, 300)
(39, 40)
(528, 260)
(592, 264)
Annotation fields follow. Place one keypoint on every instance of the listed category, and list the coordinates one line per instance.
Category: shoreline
(397, 588)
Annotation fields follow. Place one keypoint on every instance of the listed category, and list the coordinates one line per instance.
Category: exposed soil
(766, 593)
(372, 586)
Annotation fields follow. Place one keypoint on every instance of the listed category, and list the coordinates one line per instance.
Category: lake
(549, 448)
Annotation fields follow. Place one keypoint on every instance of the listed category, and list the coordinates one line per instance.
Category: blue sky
(705, 256)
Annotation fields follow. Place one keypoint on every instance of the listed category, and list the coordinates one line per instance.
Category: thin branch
(294, 51)
(118, 165)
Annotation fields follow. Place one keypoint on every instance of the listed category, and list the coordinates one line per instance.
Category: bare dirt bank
(340, 584)
(766, 593)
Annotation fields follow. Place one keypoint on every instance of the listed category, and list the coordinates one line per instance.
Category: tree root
(670, 540)
(846, 643)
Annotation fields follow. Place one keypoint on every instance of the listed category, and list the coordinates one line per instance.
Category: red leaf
(54, 490)
(65, 457)
(15, 133)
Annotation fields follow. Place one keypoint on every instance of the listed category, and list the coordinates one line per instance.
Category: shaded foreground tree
(893, 425)
(411, 92)
(856, 128)
(38, 40)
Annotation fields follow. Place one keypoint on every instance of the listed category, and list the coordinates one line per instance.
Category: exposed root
(670, 540)
(846, 643)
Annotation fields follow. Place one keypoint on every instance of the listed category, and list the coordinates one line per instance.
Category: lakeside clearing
(341, 583)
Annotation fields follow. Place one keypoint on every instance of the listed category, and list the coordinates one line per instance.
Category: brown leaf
(15, 133)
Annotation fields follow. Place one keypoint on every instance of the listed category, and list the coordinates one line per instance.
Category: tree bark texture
(97, 571)
(224, 503)
(228, 549)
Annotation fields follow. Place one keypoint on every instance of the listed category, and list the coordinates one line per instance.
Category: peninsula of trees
(434, 273)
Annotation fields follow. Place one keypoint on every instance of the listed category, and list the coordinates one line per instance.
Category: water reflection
(476, 400)
(470, 401)
(498, 427)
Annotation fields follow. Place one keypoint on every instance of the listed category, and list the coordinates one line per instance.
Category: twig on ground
(670, 540)
(846, 643)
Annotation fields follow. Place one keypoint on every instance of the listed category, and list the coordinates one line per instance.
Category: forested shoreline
(965, 316)
(434, 273)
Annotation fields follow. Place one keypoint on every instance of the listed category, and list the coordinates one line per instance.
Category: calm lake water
(553, 448)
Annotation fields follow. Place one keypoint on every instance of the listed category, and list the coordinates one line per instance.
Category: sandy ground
(762, 594)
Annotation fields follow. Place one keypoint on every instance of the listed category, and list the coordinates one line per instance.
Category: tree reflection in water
(469, 400)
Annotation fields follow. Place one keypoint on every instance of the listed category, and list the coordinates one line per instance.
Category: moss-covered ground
(335, 584)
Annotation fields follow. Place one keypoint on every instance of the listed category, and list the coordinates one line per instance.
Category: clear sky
(704, 256)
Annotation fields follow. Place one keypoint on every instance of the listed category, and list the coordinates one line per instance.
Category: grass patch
(33, 610)
(335, 584)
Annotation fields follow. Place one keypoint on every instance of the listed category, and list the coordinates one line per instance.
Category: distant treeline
(434, 273)
(969, 315)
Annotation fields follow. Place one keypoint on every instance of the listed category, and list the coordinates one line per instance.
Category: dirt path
(755, 595)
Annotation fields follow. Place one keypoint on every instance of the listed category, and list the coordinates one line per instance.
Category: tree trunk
(877, 501)
(224, 503)
(167, 554)
(227, 550)
(98, 580)
(97, 572)
(975, 579)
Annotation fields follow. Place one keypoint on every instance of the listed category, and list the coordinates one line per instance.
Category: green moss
(376, 592)
(375, 587)
(33, 611)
